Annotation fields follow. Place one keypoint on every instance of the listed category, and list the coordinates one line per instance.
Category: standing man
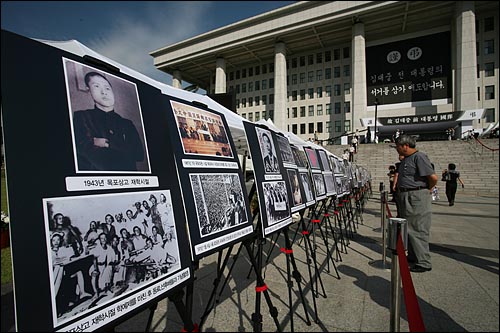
(416, 178)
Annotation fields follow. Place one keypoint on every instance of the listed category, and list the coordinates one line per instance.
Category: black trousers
(451, 190)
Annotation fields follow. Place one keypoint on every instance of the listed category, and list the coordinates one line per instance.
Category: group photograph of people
(201, 132)
(103, 246)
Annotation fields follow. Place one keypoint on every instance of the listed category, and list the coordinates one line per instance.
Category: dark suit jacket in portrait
(271, 164)
(125, 146)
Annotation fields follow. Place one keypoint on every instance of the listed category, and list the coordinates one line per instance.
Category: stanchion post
(383, 199)
(397, 226)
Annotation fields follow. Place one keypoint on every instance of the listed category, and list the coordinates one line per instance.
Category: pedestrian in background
(450, 176)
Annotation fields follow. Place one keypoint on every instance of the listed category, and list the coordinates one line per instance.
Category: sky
(127, 31)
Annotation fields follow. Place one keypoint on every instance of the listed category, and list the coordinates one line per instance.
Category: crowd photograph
(276, 201)
(219, 202)
(104, 246)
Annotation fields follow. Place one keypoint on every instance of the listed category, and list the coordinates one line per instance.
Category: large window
(328, 127)
(338, 126)
(302, 111)
(489, 92)
(302, 128)
(347, 88)
(294, 78)
(302, 94)
(319, 127)
(302, 77)
(328, 56)
(319, 109)
(489, 69)
(294, 112)
(328, 73)
(294, 128)
(336, 54)
(328, 108)
(347, 126)
(319, 92)
(489, 24)
(346, 52)
(328, 91)
(310, 93)
(311, 128)
(347, 70)
(319, 58)
(337, 107)
(336, 90)
(319, 75)
(489, 46)
(489, 115)
(347, 107)
(311, 110)
(310, 76)
(336, 71)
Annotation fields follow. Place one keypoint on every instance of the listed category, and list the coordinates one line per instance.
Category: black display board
(79, 217)
(411, 70)
(271, 178)
(316, 171)
(213, 189)
(304, 176)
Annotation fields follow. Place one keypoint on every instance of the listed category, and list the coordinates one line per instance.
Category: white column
(466, 79)
(280, 115)
(177, 79)
(220, 76)
(358, 76)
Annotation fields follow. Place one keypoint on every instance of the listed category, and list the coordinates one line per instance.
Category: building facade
(322, 69)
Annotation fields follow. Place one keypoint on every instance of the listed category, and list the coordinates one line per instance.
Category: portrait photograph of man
(106, 121)
(268, 151)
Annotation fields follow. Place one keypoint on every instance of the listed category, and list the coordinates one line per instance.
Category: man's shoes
(419, 269)
(452, 203)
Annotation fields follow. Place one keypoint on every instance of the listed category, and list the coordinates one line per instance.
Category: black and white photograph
(319, 184)
(219, 201)
(101, 247)
(336, 163)
(201, 132)
(276, 200)
(267, 150)
(293, 176)
(285, 150)
(330, 183)
(306, 183)
(345, 185)
(299, 157)
(339, 185)
(312, 157)
(106, 121)
(324, 160)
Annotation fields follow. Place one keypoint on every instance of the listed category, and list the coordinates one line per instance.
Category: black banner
(417, 69)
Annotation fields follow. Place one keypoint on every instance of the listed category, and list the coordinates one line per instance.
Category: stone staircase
(478, 165)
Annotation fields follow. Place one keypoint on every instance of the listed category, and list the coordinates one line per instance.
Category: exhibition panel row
(119, 184)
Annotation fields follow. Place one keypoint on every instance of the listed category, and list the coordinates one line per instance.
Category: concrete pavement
(461, 293)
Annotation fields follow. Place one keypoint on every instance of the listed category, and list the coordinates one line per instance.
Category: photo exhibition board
(213, 189)
(96, 215)
(316, 173)
(304, 176)
(271, 178)
(298, 197)
(327, 172)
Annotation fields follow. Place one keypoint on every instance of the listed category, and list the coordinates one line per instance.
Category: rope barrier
(415, 320)
(482, 144)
